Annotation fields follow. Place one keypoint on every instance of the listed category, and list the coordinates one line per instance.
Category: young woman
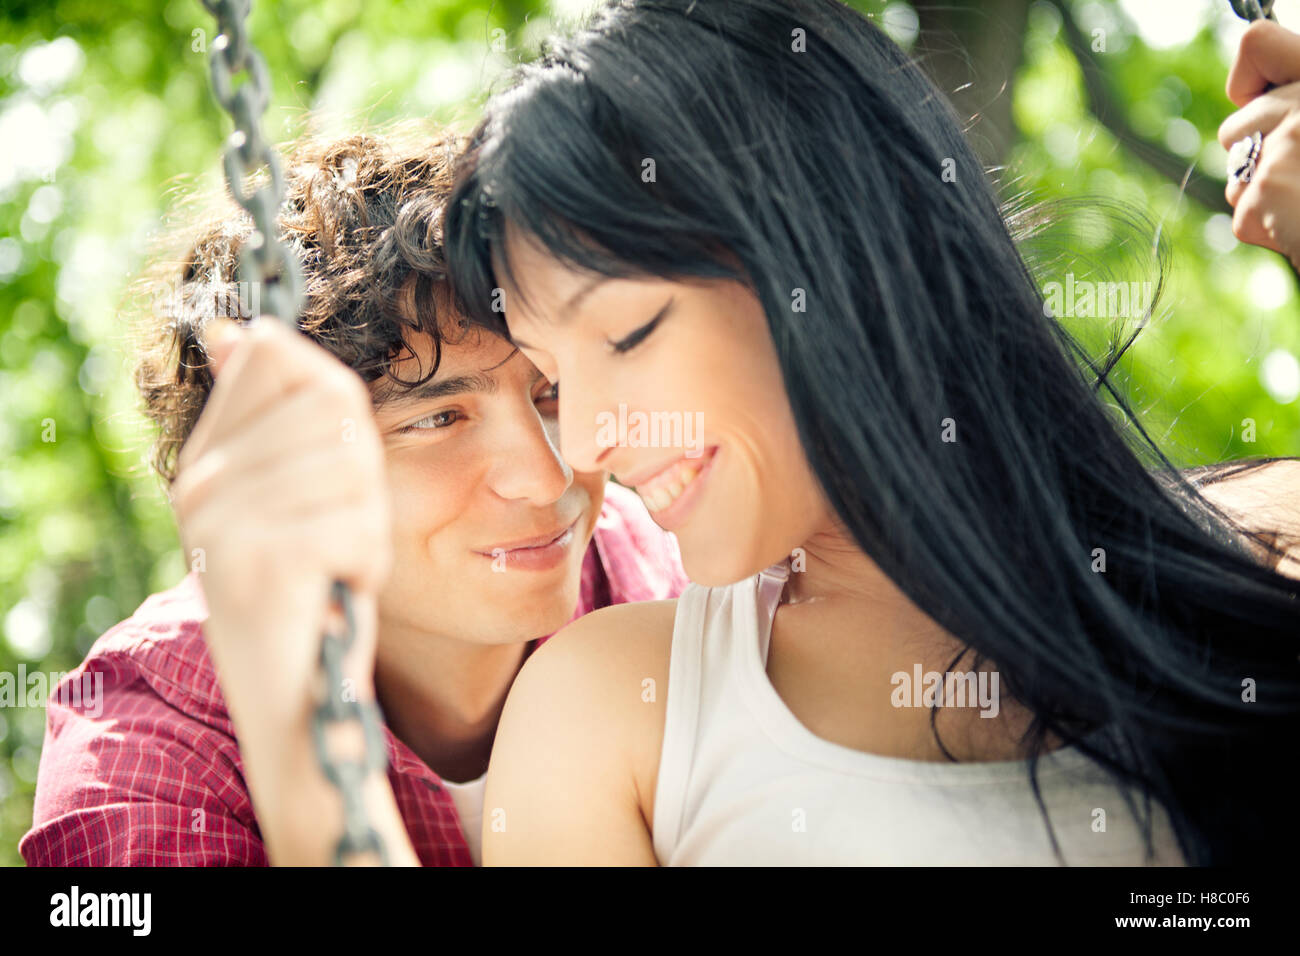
(764, 216)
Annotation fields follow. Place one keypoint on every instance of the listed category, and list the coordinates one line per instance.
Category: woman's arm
(576, 756)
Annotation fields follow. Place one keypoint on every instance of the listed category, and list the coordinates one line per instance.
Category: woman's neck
(839, 605)
(830, 567)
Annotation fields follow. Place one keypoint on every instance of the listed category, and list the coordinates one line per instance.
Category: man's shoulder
(161, 645)
(138, 747)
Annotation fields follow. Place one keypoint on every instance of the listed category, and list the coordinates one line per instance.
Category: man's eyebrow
(571, 305)
(444, 388)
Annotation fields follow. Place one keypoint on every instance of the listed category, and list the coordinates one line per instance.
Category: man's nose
(528, 464)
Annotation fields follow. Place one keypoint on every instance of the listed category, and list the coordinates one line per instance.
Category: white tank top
(743, 782)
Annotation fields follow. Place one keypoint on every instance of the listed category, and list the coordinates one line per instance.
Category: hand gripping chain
(275, 267)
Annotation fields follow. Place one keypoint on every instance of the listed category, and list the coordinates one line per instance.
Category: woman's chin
(714, 568)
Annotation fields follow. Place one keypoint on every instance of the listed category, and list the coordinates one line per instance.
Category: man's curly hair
(363, 214)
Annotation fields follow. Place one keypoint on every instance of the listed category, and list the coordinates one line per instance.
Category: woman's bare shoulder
(610, 636)
(601, 682)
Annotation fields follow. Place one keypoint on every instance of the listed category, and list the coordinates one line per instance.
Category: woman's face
(674, 387)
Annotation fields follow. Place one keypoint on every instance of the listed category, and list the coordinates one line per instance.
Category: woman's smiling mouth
(670, 491)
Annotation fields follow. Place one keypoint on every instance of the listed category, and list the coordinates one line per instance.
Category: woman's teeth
(666, 487)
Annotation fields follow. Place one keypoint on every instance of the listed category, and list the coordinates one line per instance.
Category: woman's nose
(579, 419)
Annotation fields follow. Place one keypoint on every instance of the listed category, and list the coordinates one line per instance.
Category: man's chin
(521, 619)
(504, 608)
(525, 595)
(520, 630)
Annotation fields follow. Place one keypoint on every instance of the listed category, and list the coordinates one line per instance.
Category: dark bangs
(557, 161)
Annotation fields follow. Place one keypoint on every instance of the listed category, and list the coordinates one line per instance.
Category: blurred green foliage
(105, 118)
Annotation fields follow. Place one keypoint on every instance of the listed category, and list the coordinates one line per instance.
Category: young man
(495, 543)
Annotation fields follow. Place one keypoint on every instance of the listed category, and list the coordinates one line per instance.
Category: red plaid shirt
(156, 779)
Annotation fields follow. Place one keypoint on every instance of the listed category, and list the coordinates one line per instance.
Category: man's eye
(433, 422)
(551, 394)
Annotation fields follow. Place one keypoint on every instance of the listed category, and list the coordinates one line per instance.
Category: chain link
(1253, 9)
(275, 267)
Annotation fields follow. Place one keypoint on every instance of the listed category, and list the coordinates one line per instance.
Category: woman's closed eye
(638, 336)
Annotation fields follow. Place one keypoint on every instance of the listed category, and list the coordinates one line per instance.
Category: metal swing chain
(275, 267)
(1254, 9)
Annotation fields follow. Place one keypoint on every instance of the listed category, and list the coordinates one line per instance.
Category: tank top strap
(687, 670)
(771, 584)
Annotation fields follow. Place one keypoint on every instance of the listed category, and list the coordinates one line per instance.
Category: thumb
(221, 338)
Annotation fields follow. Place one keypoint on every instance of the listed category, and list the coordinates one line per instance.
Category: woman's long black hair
(795, 147)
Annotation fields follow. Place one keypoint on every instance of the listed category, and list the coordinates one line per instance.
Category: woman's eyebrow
(569, 307)
(575, 300)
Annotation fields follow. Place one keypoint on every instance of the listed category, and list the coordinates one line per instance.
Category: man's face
(477, 489)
